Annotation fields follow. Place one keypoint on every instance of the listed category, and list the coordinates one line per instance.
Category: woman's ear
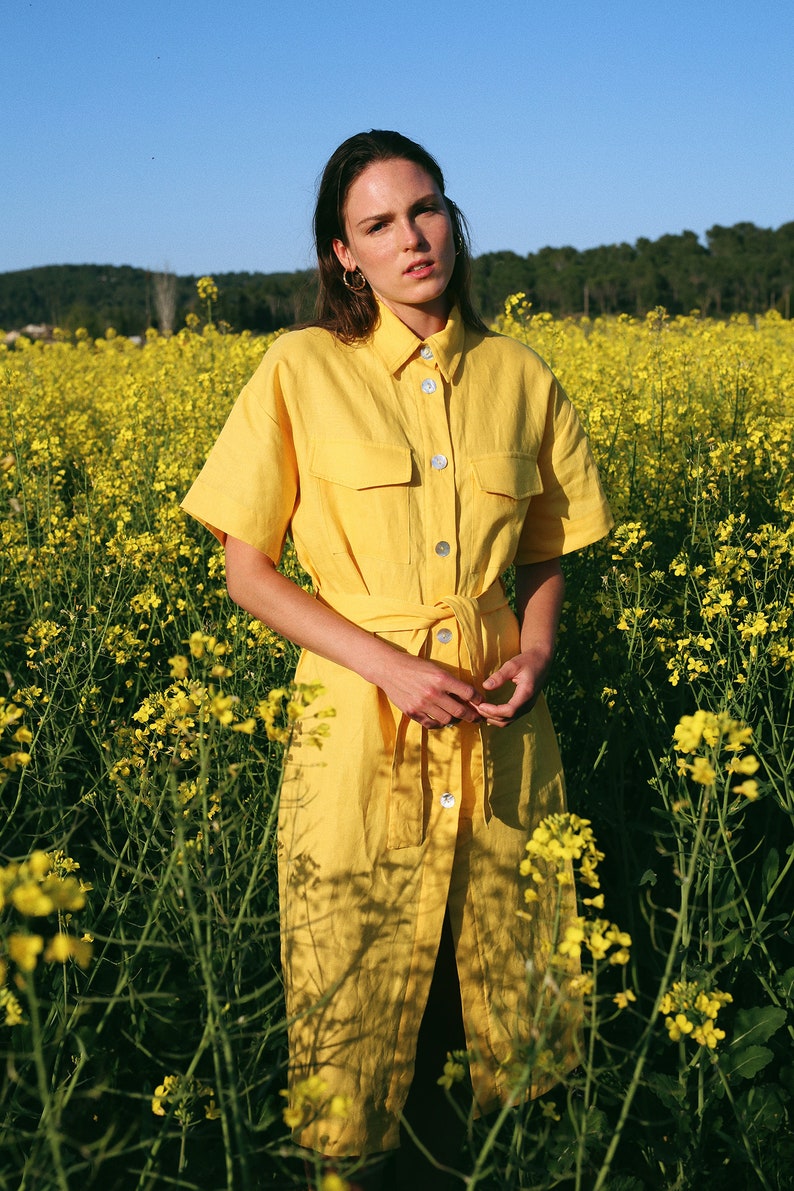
(343, 256)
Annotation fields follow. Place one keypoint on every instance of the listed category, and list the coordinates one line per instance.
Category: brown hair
(352, 314)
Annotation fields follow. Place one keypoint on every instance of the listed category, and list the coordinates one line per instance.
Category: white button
(444, 636)
(439, 462)
(428, 386)
(425, 352)
(447, 800)
(442, 549)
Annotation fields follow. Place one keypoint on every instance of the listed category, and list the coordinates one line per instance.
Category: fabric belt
(378, 614)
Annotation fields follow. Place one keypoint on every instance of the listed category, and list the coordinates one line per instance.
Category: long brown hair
(352, 314)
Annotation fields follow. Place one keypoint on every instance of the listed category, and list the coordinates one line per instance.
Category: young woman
(413, 456)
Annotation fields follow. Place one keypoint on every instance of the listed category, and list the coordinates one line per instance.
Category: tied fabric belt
(379, 614)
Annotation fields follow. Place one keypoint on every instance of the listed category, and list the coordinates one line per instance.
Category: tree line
(742, 268)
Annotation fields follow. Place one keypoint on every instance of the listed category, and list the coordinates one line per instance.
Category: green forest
(739, 268)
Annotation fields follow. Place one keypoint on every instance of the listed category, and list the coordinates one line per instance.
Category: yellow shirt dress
(410, 475)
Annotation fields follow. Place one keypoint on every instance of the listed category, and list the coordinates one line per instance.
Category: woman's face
(399, 234)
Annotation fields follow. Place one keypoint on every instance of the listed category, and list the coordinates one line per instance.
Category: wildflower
(207, 289)
(11, 1008)
(454, 1070)
(179, 666)
(557, 841)
(690, 1010)
(748, 764)
(30, 899)
(307, 1099)
(25, 950)
(333, 1182)
(702, 772)
(63, 947)
(622, 999)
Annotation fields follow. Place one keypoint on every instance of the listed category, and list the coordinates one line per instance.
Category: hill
(739, 268)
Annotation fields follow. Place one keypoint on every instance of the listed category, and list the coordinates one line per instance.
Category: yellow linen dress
(410, 474)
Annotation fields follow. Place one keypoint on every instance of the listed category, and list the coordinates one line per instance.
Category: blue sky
(190, 135)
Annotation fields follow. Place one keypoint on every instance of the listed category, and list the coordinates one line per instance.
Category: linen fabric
(410, 474)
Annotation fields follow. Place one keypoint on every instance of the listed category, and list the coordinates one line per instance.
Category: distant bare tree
(165, 299)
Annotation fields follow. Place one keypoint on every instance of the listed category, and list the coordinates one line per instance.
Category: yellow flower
(10, 1007)
(25, 950)
(207, 289)
(690, 1011)
(454, 1071)
(702, 771)
(747, 764)
(179, 666)
(622, 999)
(58, 949)
(62, 947)
(31, 900)
(333, 1182)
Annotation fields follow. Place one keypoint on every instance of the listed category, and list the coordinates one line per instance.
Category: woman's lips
(420, 269)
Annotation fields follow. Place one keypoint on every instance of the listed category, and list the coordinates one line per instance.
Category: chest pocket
(363, 490)
(503, 487)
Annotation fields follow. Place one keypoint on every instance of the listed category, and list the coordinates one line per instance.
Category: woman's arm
(540, 588)
(421, 689)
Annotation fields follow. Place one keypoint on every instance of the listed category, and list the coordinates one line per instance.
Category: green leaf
(786, 986)
(668, 1089)
(770, 871)
(756, 1025)
(747, 1062)
(648, 877)
(762, 1109)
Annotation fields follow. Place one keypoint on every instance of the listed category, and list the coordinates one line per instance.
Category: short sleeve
(248, 486)
(572, 510)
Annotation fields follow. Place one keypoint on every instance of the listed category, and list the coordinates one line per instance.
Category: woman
(413, 456)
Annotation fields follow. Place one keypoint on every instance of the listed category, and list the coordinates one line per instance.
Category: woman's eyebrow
(420, 202)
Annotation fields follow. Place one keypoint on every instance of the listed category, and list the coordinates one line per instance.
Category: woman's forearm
(254, 583)
(539, 593)
(420, 688)
(540, 590)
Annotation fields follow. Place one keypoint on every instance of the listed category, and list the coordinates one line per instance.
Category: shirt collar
(395, 344)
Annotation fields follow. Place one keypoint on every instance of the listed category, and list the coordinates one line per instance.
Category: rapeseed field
(143, 717)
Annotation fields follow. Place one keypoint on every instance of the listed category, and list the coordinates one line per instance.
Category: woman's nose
(412, 235)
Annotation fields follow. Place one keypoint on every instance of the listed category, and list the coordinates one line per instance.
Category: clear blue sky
(190, 134)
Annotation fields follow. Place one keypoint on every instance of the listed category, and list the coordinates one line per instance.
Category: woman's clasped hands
(435, 698)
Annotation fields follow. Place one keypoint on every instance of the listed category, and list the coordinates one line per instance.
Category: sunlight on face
(399, 234)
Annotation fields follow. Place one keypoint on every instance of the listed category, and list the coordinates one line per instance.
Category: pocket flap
(360, 464)
(513, 475)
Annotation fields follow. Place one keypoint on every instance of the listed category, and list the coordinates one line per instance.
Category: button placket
(439, 491)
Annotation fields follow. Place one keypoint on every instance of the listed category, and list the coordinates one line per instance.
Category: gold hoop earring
(357, 276)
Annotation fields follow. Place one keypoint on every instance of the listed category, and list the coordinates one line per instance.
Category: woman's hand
(527, 672)
(540, 588)
(418, 687)
(426, 692)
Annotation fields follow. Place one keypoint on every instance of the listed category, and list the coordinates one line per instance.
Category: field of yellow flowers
(142, 719)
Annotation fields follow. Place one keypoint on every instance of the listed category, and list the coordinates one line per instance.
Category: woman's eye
(376, 227)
